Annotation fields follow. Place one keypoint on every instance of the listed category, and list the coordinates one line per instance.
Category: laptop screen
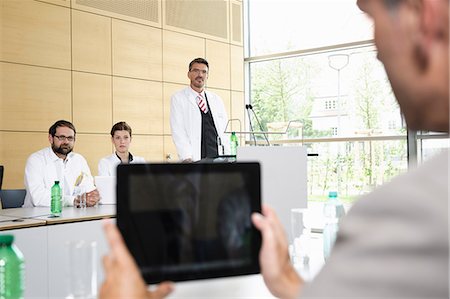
(190, 221)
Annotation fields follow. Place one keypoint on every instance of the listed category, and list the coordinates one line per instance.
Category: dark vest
(209, 134)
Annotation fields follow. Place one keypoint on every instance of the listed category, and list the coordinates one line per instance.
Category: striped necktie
(202, 103)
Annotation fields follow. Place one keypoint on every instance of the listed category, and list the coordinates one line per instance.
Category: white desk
(43, 241)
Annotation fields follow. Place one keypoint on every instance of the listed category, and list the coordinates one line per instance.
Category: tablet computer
(190, 221)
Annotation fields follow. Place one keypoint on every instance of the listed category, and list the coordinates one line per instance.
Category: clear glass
(82, 269)
(431, 146)
(80, 197)
(341, 93)
(353, 168)
(287, 25)
(301, 236)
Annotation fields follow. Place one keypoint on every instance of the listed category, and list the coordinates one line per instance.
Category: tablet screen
(190, 221)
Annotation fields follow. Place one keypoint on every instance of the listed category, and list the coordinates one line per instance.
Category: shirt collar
(53, 157)
(196, 93)
(130, 157)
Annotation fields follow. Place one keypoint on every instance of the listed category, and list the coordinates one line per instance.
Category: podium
(283, 178)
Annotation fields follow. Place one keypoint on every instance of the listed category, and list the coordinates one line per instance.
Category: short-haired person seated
(121, 138)
(58, 163)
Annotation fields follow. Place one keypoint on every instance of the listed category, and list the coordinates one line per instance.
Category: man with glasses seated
(198, 117)
(58, 163)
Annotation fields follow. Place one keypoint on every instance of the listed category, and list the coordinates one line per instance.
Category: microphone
(247, 107)
(259, 124)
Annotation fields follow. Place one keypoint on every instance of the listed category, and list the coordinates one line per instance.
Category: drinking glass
(301, 236)
(82, 270)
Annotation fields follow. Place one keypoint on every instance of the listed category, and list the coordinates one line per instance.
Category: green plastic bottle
(56, 203)
(233, 143)
(11, 269)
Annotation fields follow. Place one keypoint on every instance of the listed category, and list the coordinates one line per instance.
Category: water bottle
(333, 211)
(11, 269)
(233, 143)
(56, 202)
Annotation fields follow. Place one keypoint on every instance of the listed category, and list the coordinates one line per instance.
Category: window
(330, 104)
(325, 76)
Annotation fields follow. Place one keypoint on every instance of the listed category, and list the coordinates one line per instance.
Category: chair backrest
(1, 176)
(12, 198)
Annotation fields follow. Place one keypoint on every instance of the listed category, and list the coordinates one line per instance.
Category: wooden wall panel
(218, 56)
(96, 65)
(149, 147)
(179, 50)
(226, 98)
(91, 42)
(137, 51)
(211, 19)
(33, 98)
(170, 151)
(139, 103)
(147, 12)
(65, 3)
(168, 91)
(36, 33)
(15, 149)
(93, 147)
(92, 103)
(237, 68)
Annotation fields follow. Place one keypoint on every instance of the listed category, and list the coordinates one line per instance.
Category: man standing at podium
(197, 117)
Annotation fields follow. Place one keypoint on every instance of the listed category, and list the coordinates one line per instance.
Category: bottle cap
(6, 239)
(56, 182)
(332, 194)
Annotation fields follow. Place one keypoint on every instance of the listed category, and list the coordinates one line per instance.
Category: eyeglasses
(64, 138)
(197, 71)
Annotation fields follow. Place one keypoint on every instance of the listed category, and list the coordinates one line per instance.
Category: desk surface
(29, 217)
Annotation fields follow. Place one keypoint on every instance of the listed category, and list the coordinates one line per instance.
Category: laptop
(106, 186)
(190, 221)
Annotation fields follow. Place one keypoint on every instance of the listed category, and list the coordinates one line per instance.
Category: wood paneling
(169, 90)
(139, 103)
(179, 50)
(218, 56)
(211, 18)
(226, 98)
(147, 12)
(93, 148)
(33, 98)
(65, 3)
(15, 149)
(92, 103)
(35, 33)
(170, 150)
(137, 51)
(237, 68)
(149, 147)
(95, 63)
(91, 42)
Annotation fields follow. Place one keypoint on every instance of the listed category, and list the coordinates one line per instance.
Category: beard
(63, 149)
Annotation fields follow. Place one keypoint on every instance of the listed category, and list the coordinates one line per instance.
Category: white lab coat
(186, 122)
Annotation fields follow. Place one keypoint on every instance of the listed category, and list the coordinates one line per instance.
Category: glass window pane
(353, 168)
(287, 25)
(335, 94)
